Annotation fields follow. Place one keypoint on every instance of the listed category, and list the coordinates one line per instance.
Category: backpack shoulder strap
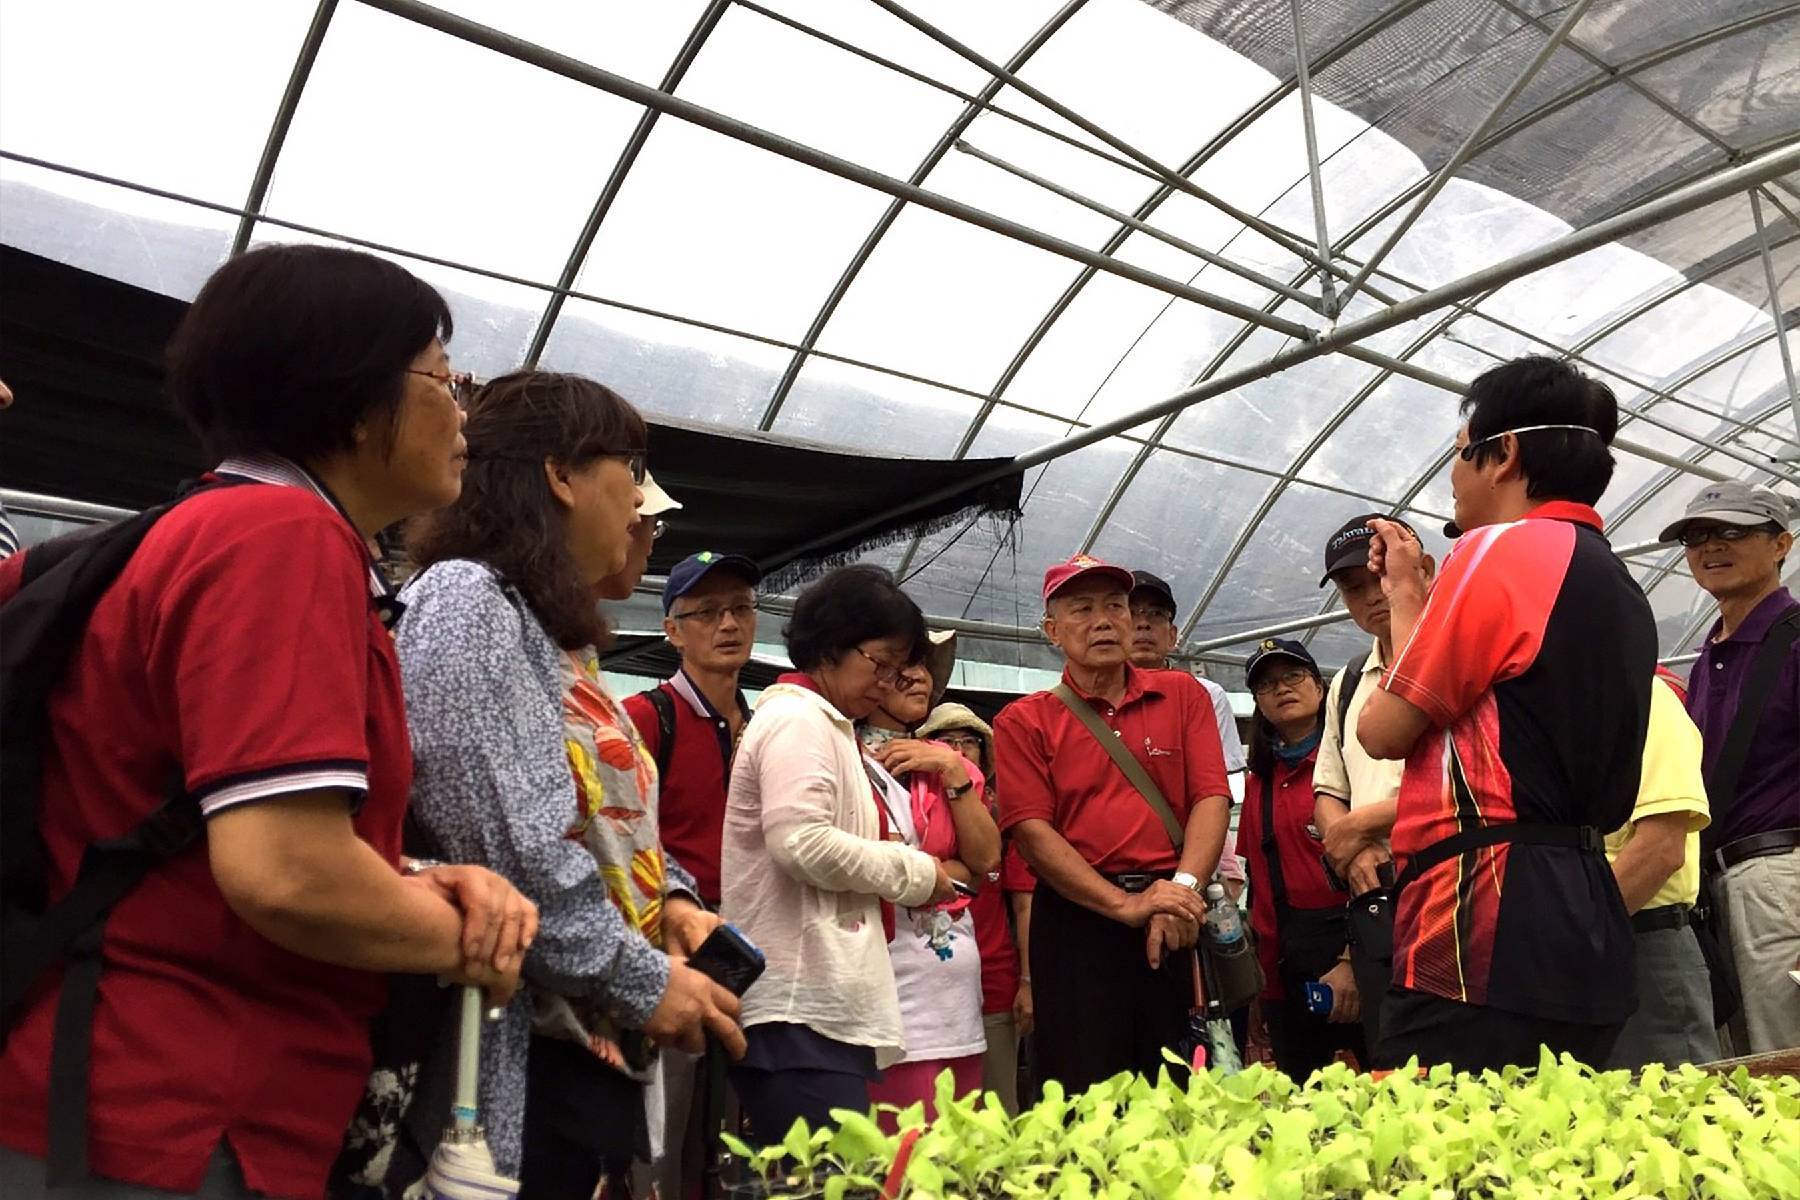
(1124, 759)
(1728, 768)
(1348, 681)
(664, 704)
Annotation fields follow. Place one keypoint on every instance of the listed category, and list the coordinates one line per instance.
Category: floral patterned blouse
(526, 765)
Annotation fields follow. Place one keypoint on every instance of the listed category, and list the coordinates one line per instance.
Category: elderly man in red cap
(1114, 788)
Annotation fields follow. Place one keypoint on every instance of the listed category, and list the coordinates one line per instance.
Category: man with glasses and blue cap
(1744, 694)
(690, 725)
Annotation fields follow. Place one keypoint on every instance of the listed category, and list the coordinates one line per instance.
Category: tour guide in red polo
(1115, 902)
(1520, 699)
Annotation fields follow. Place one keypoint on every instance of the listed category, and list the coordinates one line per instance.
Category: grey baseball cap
(1731, 502)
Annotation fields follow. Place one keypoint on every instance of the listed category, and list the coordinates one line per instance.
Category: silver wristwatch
(1186, 879)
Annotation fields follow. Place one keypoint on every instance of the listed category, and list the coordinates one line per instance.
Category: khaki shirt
(1344, 769)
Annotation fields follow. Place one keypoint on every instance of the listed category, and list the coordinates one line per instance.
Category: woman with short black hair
(241, 656)
(527, 764)
(811, 871)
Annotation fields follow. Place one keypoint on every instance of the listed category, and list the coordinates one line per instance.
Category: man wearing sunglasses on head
(1744, 694)
(1519, 697)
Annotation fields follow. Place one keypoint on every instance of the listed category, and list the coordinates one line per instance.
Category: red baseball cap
(1064, 573)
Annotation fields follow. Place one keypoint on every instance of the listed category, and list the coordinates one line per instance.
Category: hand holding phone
(729, 959)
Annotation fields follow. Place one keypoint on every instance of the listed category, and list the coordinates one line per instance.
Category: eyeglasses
(461, 384)
(961, 741)
(1467, 453)
(741, 613)
(885, 673)
(1293, 677)
(1155, 616)
(637, 460)
(1718, 533)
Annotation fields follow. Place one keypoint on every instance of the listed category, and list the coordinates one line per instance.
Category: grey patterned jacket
(491, 786)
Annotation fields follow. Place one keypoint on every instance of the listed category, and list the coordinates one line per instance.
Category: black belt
(1757, 845)
(1133, 882)
(1663, 916)
(1576, 837)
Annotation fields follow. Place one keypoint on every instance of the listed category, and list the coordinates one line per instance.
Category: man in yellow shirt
(1655, 858)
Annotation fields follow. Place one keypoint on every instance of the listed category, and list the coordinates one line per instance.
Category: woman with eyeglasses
(1309, 1008)
(240, 660)
(936, 798)
(814, 860)
(527, 764)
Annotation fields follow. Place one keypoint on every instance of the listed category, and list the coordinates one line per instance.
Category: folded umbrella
(462, 1166)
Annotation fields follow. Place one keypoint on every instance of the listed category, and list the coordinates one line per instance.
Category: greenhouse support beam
(1775, 311)
(1467, 150)
(615, 180)
(972, 108)
(1303, 78)
(1274, 233)
(284, 120)
(682, 109)
(1266, 631)
(1130, 222)
(1673, 204)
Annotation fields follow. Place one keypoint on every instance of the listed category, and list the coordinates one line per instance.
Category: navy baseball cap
(695, 567)
(1278, 648)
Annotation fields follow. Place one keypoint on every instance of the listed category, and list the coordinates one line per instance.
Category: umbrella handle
(465, 1112)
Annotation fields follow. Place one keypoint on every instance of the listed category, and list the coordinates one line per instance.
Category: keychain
(937, 934)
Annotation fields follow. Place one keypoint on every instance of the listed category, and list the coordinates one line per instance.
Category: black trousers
(1473, 1038)
(583, 1120)
(774, 1100)
(1100, 1008)
(1303, 1042)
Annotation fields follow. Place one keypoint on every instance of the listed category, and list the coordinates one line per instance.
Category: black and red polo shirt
(1533, 659)
(241, 653)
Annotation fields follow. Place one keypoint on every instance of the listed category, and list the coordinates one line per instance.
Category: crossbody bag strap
(1270, 851)
(1123, 758)
(1728, 768)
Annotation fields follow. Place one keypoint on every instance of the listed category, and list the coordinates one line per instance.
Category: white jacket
(802, 869)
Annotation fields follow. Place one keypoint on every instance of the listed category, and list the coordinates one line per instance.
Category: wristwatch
(1186, 879)
(957, 793)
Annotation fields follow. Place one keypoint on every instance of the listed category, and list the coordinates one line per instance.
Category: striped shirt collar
(684, 687)
(282, 472)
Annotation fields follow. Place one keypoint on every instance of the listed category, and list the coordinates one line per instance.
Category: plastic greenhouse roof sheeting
(708, 278)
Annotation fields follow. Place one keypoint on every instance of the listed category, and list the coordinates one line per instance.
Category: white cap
(656, 501)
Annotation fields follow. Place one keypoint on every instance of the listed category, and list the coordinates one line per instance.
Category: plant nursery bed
(1559, 1131)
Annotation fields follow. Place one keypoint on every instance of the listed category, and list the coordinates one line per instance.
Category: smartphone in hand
(729, 959)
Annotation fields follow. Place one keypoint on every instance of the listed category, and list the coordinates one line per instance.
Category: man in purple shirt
(1737, 543)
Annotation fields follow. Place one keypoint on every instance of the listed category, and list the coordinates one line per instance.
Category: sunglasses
(1719, 533)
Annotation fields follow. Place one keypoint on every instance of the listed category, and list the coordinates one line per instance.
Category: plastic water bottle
(1224, 924)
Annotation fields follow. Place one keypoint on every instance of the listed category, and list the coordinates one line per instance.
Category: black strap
(74, 929)
(1270, 851)
(1576, 837)
(664, 705)
(1348, 682)
(1124, 759)
(1728, 768)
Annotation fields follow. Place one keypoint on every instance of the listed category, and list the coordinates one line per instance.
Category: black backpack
(41, 626)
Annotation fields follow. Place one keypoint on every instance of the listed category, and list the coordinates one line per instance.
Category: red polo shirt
(690, 806)
(1054, 770)
(239, 653)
